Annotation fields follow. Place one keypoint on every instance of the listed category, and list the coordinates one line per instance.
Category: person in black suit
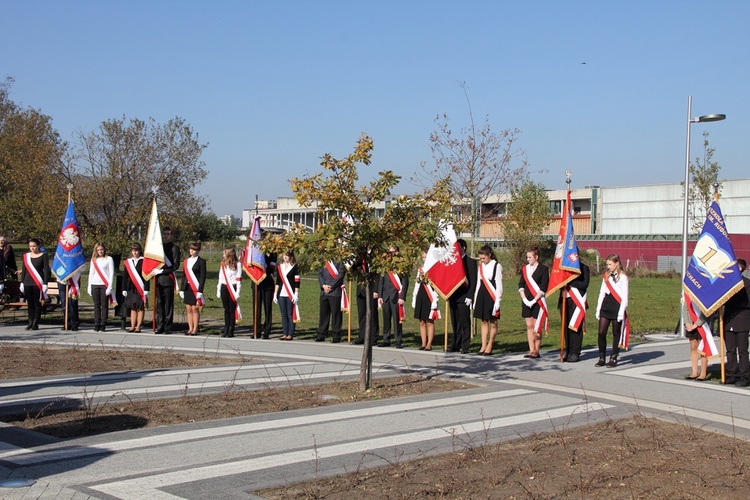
(331, 280)
(575, 293)
(264, 301)
(736, 330)
(460, 303)
(392, 298)
(166, 284)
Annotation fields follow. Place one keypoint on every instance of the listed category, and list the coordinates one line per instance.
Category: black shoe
(35, 327)
(612, 362)
(75, 328)
(384, 344)
(230, 335)
(335, 340)
(359, 342)
(265, 337)
(96, 328)
(464, 351)
(399, 345)
(730, 381)
(601, 362)
(102, 328)
(319, 338)
(159, 331)
(28, 327)
(573, 358)
(122, 324)
(741, 383)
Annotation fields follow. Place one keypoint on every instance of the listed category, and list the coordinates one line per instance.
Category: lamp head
(710, 118)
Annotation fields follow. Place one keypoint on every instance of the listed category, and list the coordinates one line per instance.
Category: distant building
(642, 224)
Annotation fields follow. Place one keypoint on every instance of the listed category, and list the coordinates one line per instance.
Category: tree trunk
(365, 369)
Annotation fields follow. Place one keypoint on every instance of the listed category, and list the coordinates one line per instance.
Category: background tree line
(113, 170)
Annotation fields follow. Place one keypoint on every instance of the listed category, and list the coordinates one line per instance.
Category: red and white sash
(192, 281)
(232, 293)
(168, 263)
(434, 313)
(102, 277)
(335, 273)
(290, 292)
(625, 332)
(488, 286)
(707, 345)
(135, 277)
(541, 325)
(579, 315)
(74, 286)
(34, 274)
(396, 281)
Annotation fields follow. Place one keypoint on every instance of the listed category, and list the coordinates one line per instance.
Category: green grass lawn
(654, 307)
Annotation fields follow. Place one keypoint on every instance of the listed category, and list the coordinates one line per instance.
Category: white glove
(414, 304)
(275, 299)
(495, 309)
(620, 319)
(597, 315)
(2, 286)
(158, 271)
(21, 287)
(468, 302)
(182, 294)
(218, 292)
(145, 294)
(44, 288)
(295, 299)
(124, 293)
(199, 296)
(108, 292)
(434, 305)
(528, 303)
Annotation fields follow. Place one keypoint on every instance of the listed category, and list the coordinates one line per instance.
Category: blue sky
(273, 85)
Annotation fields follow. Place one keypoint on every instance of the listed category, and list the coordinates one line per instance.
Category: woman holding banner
(191, 289)
(101, 279)
(34, 277)
(487, 297)
(228, 289)
(611, 308)
(135, 288)
(286, 293)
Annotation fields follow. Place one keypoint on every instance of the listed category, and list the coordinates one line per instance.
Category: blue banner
(712, 275)
(69, 256)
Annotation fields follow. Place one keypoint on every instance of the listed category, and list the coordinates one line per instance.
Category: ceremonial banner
(253, 260)
(69, 258)
(153, 252)
(712, 274)
(443, 265)
(566, 264)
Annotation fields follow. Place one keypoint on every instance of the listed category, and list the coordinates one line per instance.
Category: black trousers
(263, 316)
(330, 312)
(229, 310)
(391, 320)
(460, 322)
(33, 296)
(738, 365)
(164, 307)
(101, 304)
(71, 304)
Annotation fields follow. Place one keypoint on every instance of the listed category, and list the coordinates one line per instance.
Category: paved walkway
(231, 457)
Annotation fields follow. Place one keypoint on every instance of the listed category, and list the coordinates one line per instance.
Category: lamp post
(690, 121)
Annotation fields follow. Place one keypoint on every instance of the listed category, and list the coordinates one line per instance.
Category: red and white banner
(153, 252)
(443, 265)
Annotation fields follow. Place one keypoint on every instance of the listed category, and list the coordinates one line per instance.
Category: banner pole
(564, 317)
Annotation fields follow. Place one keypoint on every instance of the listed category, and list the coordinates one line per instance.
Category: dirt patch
(67, 420)
(635, 458)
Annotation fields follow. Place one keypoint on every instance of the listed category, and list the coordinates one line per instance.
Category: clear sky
(273, 85)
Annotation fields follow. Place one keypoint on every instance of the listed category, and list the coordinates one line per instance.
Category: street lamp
(690, 121)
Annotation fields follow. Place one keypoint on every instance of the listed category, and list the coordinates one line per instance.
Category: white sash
(541, 324)
(232, 293)
(135, 277)
(34, 274)
(192, 279)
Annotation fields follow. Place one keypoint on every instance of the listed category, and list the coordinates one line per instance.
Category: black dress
(199, 269)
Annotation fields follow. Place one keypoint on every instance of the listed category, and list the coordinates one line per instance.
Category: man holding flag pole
(571, 277)
(260, 270)
(68, 262)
